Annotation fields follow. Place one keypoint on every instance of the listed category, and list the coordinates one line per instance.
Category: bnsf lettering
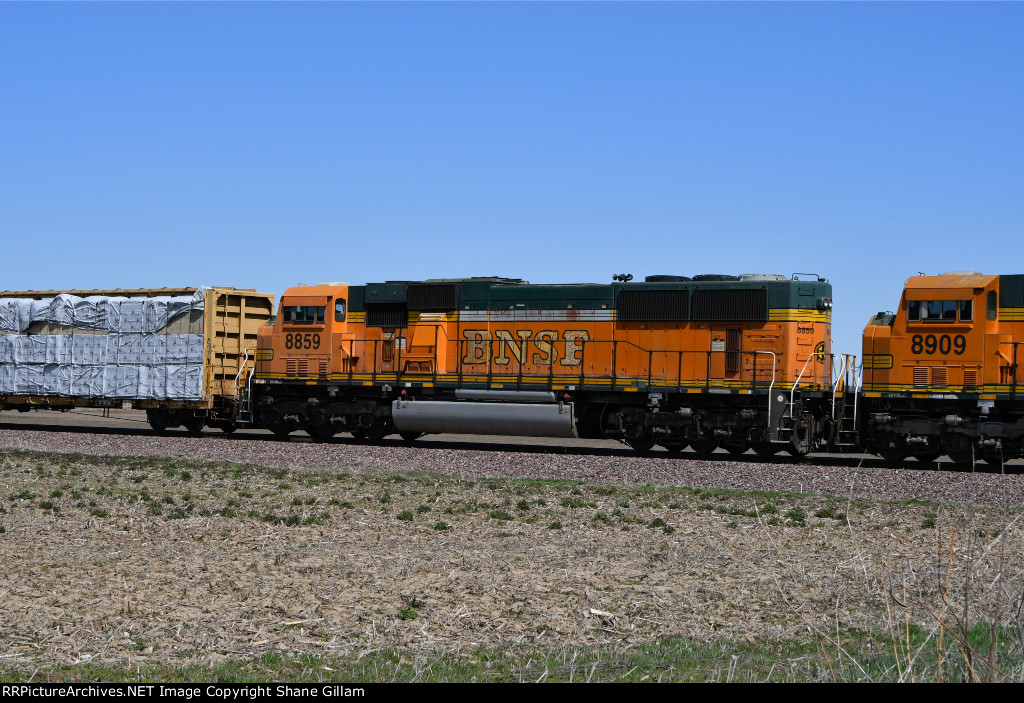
(943, 344)
(477, 347)
(302, 341)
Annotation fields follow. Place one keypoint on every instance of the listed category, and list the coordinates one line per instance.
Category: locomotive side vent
(433, 297)
(970, 378)
(654, 305)
(386, 315)
(730, 305)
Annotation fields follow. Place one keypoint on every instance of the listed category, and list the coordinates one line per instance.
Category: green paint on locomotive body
(493, 293)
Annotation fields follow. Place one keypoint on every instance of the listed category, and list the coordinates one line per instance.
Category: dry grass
(142, 562)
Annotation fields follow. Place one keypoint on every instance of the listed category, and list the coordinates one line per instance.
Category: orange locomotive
(736, 361)
(941, 374)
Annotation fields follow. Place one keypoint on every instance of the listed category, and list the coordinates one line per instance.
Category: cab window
(938, 310)
(303, 314)
(339, 310)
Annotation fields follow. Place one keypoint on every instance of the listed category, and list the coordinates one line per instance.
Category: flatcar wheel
(228, 427)
(157, 420)
(641, 444)
(704, 446)
(765, 449)
(410, 436)
(194, 425)
(321, 433)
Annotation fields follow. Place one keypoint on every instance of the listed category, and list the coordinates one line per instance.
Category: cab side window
(966, 311)
(339, 310)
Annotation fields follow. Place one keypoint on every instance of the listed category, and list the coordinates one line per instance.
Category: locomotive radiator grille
(297, 367)
(970, 378)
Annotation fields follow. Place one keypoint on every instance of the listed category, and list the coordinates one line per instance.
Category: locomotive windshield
(939, 310)
(308, 314)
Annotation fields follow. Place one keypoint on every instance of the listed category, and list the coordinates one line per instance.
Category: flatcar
(715, 360)
(183, 355)
(941, 375)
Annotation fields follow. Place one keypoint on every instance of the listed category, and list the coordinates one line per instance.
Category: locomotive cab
(939, 374)
(939, 338)
(296, 351)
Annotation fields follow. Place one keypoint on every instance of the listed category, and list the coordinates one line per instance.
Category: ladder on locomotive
(842, 405)
(845, 394)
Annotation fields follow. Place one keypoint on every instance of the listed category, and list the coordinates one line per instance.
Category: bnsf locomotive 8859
(734, 361)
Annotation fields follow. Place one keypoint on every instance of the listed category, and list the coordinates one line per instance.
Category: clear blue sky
(264, 145)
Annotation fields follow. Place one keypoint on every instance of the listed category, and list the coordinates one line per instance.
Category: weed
(441, 526)
(405, 515)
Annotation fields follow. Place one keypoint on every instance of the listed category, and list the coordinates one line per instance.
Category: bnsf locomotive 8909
(941, 374)
(734, 361)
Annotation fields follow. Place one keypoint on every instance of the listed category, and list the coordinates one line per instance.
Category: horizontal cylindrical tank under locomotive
(736, 361)
(941, 374)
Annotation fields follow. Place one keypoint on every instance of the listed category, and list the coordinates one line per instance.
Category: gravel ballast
(846, 477)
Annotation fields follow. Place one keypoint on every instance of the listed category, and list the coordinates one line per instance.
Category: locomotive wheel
(961, 457)
(379, 430)
(674, 447)
(893, 455)
(704, 446)
(736, 449)
(926, 455)
(641, 444)
(765, 449)
(410, 436)
(281, 431)
(194, 424)
(358, 434)
(321, 433)
(228, 427)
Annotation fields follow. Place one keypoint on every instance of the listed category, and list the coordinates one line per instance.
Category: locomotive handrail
(517, 375)
(792, 391)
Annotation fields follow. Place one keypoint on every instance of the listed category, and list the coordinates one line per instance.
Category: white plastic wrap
(116, 348)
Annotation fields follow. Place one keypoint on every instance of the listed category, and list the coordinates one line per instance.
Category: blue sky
(264, 145)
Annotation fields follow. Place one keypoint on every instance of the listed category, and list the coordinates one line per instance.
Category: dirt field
(134, 561)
